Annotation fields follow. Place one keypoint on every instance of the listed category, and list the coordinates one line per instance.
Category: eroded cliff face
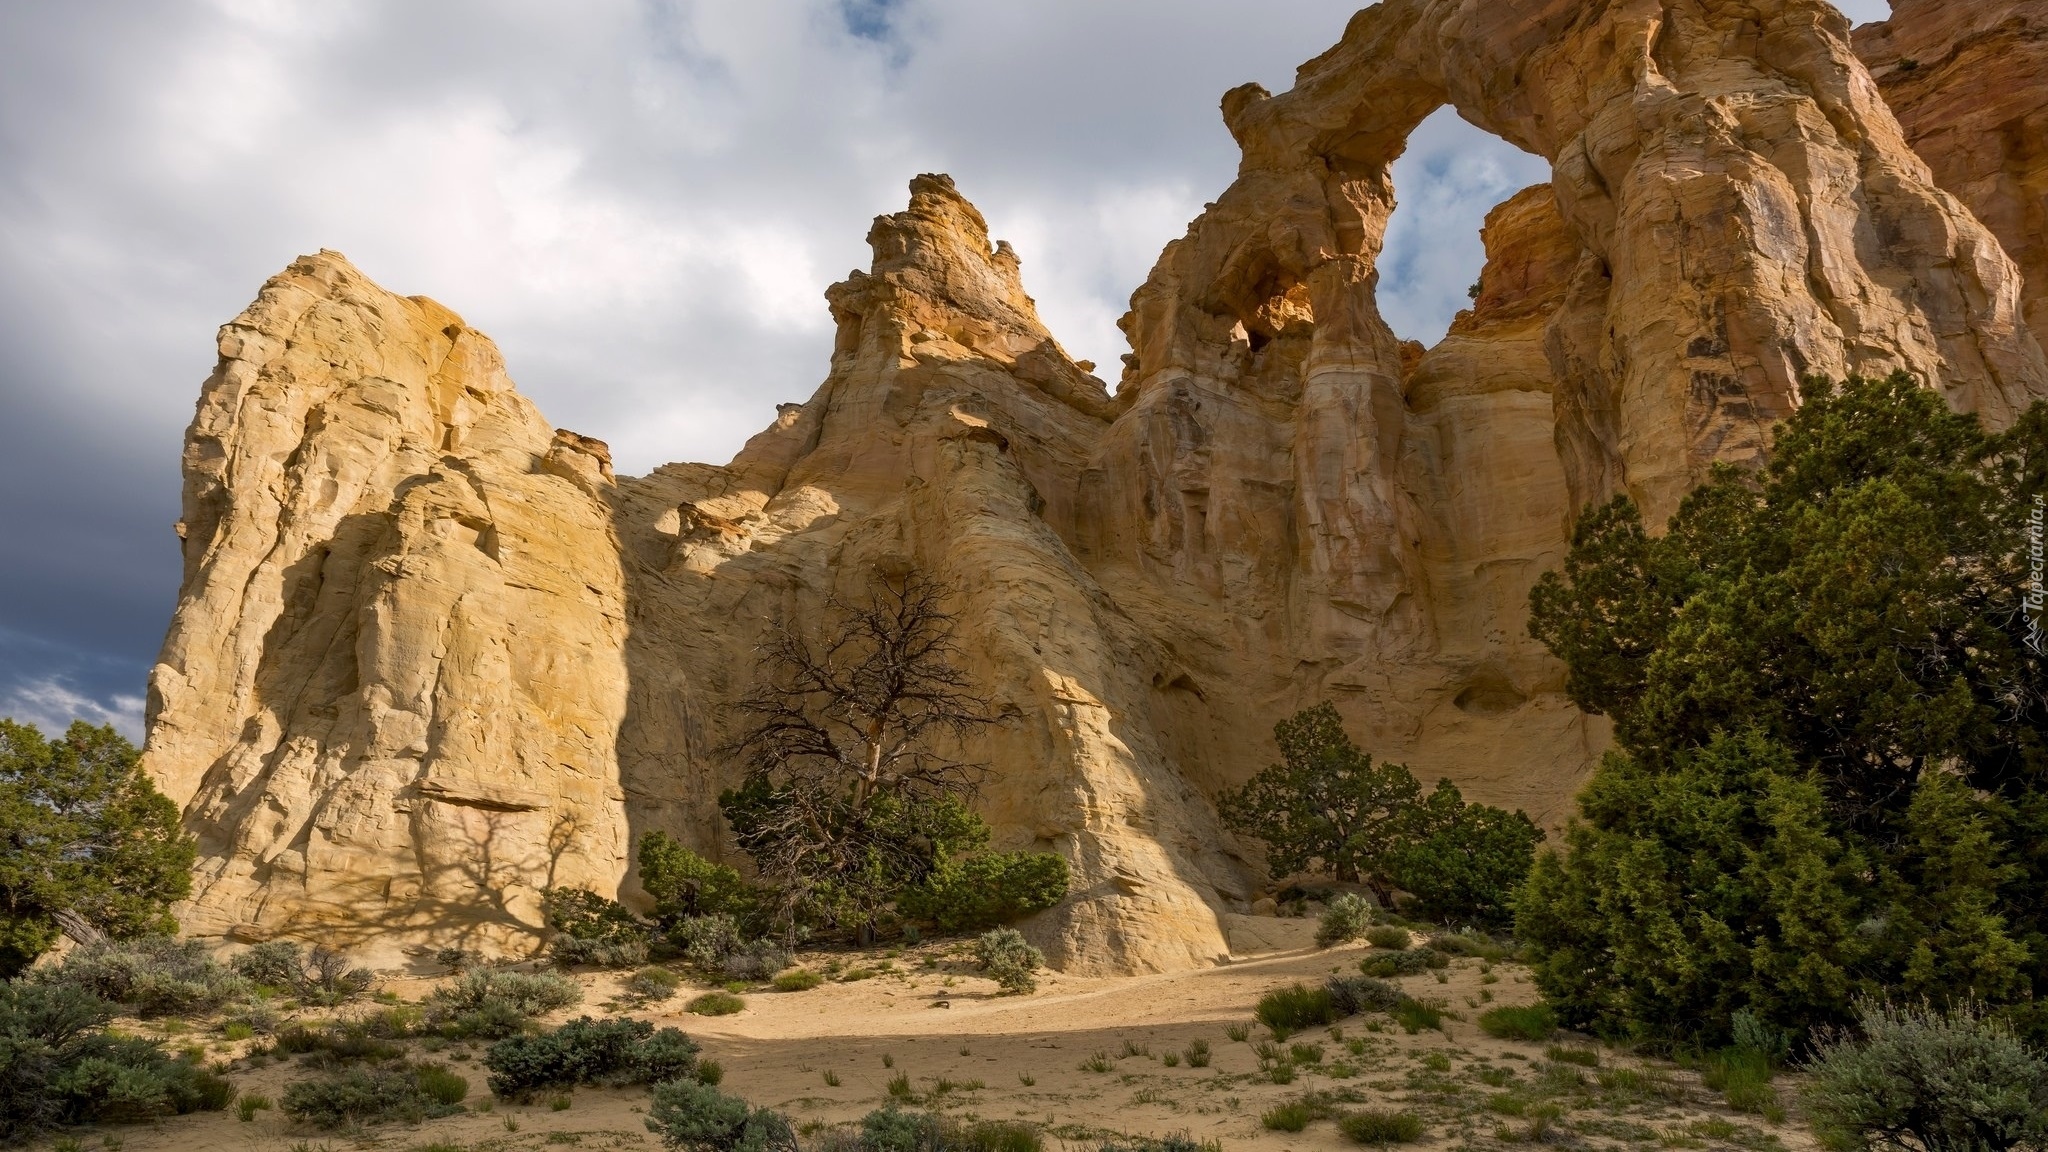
(1967, 84)
(431, 655)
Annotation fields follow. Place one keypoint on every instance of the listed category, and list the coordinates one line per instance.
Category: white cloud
(51, 705)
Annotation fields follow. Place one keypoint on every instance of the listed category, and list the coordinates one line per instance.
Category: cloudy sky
(640, 200)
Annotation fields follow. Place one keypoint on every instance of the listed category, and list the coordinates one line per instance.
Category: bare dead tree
(850, 745)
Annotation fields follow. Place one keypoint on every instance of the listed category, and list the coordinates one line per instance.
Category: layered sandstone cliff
(431, 656)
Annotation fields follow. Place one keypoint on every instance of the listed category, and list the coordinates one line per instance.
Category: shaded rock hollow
(432, 656)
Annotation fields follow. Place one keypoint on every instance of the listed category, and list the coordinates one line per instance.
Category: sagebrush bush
(1009, 959)
(1172, 1142)
(1356, 995)
(653, 984)
(756, 961)
(1388, 936)
(1920, 1078)
(1346, 919)
(890, 1129)
(705, 941)
(592, 929)
(586, 1051)
(571, 952)
(361, 1094)
(149, 976)
(489, 1003)
(59, 1065)
(1374, 1126)
(322, 976)
(1407, 962)
(1289, 1010)
(1529, 1022)
(696, 1117)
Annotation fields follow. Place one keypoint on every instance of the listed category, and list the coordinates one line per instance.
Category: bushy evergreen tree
(87, 843)
(1831, 771)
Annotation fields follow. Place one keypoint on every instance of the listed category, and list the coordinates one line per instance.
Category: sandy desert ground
(970, 1052)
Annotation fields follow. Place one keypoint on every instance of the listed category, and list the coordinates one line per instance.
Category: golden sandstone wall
(431, 656)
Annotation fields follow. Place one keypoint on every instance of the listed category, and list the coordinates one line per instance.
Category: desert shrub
(686, 885)
(362, 1094)
(489, 1003)
(653, 984)
(1009, 959)
(59, 1065)
(1927, 1080)
(757, 960)
(341, 1041)
(1466, 944)
(1822, 669)
(1417, 1016)
(591, 929)
(587, 1051)
(1173, 1142)
(1531, 1022)
(87, 835)
(322, 976)
(716, 1004)
(1289, 1010)
(1292, 1116)
(1376, 1126)
(1345, 919)
(986, 890)
(696, 1117)
(1467, 861)
(1407, 962)
(798, 980)
(1356, 995)
(150, 976)
(1388, 936)
(705, 941)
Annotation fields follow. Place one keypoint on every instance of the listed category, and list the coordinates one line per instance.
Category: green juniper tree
(88, 846)
(1830, 777)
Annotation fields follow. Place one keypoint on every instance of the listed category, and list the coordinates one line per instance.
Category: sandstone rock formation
(1966, 81)
(431, 655)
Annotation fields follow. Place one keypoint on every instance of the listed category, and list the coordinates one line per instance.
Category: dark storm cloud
(641, 202)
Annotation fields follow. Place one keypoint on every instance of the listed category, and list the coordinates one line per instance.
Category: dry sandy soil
(927, 1017)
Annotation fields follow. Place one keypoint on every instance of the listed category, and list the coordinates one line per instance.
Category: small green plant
(1583, 1057)
(1346, 919)
(831, 1078)
(1389, 937)
(1535, 1022)
(1281, 1073)
(1285, 1011)
(899, 1086)
(653, 984)
(710, 1073)
(1099, 1062)
(1170, 1059)
(1305, 1053)
(1436, 1061)
(1417, 1016)
(1009, 959)
(1742, 1076)
(1133, 1048)
(560, 1103)
(797, 980)
(250, 1103)
(1238, 1032)
(1354, 995)
(1197, 1053)
(1027, 1079)
(238, 1030)
(716, 1004)
(1374, 1126)
(1292, 1116)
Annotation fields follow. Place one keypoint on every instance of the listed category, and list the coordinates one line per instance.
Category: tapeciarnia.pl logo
(2035, 592)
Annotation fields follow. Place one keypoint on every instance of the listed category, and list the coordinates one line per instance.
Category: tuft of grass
(1387, 936)
(251, 1103)
(1416, 1016)
(797, 980)
(1027, 1079)
(899, 1086)
(831, 1078)
(1743, 1077)
(710, 1072)
(716, 1004)
(1170, 1059)
(1292, 1116)
(1281, 1073)
(1197, 1053)
(1378, 1126)
(1100, 1062)
(1436, 1061)
(888, 1061)
(1239, 1032)
(1306, 1053)
(1534, 1022)
(1583, 1057)
(560, 1103)
(1133, 1048)
(1296, 1008)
